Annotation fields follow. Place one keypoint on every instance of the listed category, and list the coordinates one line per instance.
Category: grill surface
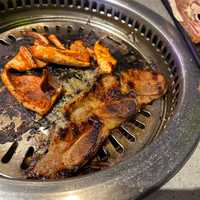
(130, 137)
(128, 35)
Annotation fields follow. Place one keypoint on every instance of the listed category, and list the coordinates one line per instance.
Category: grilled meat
(53, 55)
(105, 60)
(39, 38)
(56, 41)
(93, 115)
(78, 46)
(28, 90)
(23, 61)
(187, 13)
(148, 85)
(44, 52)
(77, 55)
(34, 92)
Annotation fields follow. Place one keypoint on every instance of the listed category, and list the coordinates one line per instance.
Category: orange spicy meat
(37, 93)
(106, 62)
(54, 55)
(94, 115)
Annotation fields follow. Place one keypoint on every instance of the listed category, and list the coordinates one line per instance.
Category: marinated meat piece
(23, 61)
(39, 63)
(30, 90)
(53, 38)
(54, 55)
(77, 55)
(54, 157)
(105, 60)
(34, 92)
(187, 13)
(93, 115)
(148, 85)
(78, 49)
(39, 38)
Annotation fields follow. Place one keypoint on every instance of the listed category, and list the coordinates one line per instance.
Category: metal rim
(152, 166)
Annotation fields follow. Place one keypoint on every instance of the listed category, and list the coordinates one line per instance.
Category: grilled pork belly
(93, 115)
(37, 93)
(53, 38)
(148, 85)
(106, 62)
(39, 38)
(42, 50)
(54, 55)
(23, 61)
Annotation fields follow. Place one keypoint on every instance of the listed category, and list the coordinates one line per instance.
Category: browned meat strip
(23, 61)
(148, 85)
(34, 92)
(53, 38)
(78, 55)
(54, 55)
(82, 52)
(94, 114)
(39, 38)
(187, 13)
(105, 60)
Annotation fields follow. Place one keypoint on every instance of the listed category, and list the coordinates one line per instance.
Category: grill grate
(131, 35)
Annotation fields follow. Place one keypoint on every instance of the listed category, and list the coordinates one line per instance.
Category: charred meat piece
(43, 52)
(39, 63)
(37, 93)
(148, 85)
(23, 61)
(33, 92)
(58, 145)
(78, 46)
(105, 60)
(93, 115)
(57, 56)
(39, 38)
(78, 51)
(53, 38)
(187, 13)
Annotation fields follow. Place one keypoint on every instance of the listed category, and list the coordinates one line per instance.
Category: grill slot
(12, 38)
(129, 135)
(9, 154)
(119, 147)
(103, 155)
(2, 6)
(145, 113)
(139, 124)
(2, 42)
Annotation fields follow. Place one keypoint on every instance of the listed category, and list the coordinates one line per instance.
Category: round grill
(128, 35)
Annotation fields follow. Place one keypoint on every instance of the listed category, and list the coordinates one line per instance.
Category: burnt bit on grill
(62, 133)
(15, 119)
